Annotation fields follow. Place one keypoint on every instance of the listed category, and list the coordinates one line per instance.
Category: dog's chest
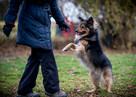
(82, 54)
(85, 61)
(76, 40)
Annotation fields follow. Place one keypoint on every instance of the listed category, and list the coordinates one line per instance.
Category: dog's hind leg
(108, 79)
(95, 80)
(69, 46)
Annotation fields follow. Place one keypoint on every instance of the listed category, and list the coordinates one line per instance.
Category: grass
(73, 77)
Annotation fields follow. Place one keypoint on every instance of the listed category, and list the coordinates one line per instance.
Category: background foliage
(117, 19)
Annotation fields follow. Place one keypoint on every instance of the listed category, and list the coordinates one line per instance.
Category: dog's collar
(91, 37)
(83, 38)
(87, 38)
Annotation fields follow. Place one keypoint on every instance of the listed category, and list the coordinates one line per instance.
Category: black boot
(57, 94)
(29, 95)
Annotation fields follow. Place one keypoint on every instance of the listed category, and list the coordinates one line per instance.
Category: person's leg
(49, 71)
(28, 80)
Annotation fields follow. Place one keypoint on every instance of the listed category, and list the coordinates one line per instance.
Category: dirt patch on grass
(129, 92)
(76, 93)
(9, 49)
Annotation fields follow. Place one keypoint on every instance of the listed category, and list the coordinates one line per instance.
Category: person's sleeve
(56, 12)
(11, 14)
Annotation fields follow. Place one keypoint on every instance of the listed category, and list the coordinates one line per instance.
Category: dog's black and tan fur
(88, 49)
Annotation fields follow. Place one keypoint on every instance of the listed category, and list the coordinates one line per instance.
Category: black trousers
(46, 59)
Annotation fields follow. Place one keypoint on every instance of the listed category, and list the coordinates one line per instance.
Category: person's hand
(63, 26)
(7, 28)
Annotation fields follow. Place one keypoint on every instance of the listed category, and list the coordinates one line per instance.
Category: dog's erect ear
(81, 19)
(90, 21)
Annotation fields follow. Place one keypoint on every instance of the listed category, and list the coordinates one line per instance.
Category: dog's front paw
(92, 91)
(109, 91)
(64, 49)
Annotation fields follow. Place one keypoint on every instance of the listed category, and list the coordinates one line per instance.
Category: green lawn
(73, 77)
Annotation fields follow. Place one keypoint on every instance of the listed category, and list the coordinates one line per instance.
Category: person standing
(34, 30)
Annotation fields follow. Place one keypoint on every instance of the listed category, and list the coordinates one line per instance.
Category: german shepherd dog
(88, 49)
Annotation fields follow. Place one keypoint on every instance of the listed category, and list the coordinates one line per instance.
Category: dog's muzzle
(80, 33)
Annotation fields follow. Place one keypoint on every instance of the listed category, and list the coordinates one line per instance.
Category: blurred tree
(117, 18)
(3, 8)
